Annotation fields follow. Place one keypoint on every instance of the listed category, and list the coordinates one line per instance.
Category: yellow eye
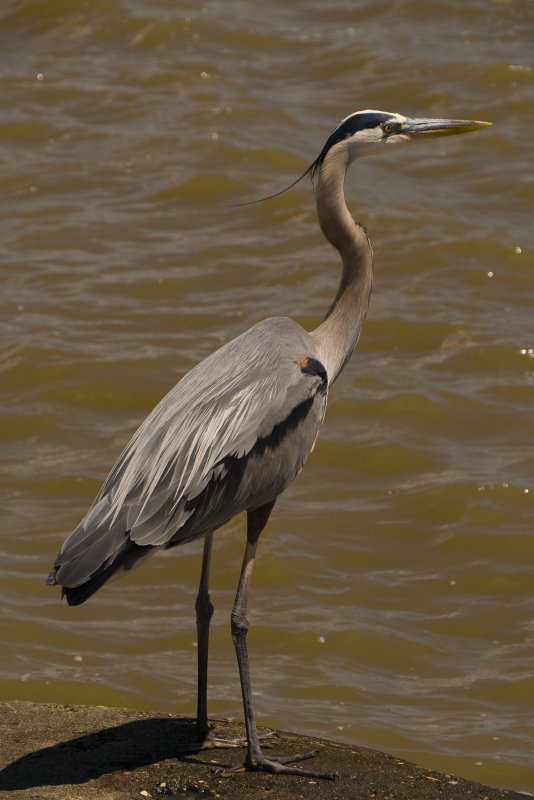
(388, 127)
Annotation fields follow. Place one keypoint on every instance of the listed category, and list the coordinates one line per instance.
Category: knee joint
(204, 607)
(239, 626)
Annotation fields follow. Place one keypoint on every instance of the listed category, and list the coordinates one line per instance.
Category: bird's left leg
(255, 760)
(204, 612)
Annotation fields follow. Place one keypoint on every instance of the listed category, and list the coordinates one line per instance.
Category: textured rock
(54, 752)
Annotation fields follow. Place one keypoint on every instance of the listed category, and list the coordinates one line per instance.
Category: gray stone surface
(63, 752)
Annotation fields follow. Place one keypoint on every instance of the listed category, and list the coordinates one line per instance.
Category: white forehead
(390, 114)
(361, 130)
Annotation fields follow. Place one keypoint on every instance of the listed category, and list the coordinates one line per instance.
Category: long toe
(212, 742)
(279, 765)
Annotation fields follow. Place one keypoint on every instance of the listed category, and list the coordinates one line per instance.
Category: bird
(238, 427)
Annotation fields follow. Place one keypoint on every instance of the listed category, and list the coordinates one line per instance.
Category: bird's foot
(211, 742)
(278, 765)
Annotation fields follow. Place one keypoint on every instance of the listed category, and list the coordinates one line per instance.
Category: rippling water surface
(392, 603)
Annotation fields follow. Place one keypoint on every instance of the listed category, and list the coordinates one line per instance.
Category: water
(392, 601)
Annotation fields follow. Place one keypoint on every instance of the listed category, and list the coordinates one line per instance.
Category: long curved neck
(337, 335)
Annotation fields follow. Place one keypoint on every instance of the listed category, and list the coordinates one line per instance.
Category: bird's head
(363, 131)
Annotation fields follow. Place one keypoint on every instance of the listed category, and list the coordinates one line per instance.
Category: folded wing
(230, 436)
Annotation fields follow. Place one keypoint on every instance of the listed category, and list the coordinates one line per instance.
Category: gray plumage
(230, 436)
(237, 429)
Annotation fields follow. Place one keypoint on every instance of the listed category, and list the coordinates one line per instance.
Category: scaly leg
(205, 740)
(204, 612)
(255, 759)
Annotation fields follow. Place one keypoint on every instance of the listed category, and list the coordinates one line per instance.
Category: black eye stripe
(358, 122)
(354, 123)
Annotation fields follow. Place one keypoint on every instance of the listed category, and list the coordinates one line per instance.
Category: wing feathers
(192, 449)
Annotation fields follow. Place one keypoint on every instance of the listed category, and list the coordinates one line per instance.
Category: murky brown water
(392, 603)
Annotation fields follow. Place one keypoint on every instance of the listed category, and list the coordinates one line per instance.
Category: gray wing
(230, 436)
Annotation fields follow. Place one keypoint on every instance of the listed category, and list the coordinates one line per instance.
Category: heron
(237, 429)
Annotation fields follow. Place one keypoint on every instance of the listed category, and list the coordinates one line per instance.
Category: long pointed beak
(441, 127)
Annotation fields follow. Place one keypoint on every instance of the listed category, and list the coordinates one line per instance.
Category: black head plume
(358, 121)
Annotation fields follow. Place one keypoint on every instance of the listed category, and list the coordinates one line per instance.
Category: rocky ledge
(64, 752)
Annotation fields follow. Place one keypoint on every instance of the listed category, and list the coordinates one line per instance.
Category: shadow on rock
(124, 747)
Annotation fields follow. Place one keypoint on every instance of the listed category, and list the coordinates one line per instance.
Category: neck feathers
(336, 337)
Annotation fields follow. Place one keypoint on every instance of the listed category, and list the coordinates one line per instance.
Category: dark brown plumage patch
(311, 366)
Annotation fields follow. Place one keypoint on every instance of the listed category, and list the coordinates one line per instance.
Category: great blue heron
(237, 429)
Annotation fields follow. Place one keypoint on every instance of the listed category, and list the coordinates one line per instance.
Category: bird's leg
(204, 612)
(255, 760)
(205, 740)
(256, 521)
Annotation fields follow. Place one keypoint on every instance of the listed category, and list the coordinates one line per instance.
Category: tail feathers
(76, 564)
(93, 553)
(126, 560)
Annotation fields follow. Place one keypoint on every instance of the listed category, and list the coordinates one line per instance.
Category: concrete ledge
(54, 752)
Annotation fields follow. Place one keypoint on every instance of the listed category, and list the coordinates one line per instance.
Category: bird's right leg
(255, 760)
